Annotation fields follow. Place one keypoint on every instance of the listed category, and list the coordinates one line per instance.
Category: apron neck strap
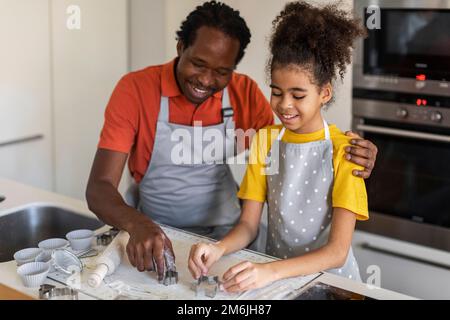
(280, 136)
(227, 109)
(164, 110)
(325, 126)
(327, 130)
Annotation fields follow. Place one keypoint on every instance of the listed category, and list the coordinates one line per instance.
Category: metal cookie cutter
(208, 285)
(170, 274)
(170, 278)
(49, 292)
(107, 237)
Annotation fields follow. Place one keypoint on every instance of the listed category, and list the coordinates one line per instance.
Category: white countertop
(19, 196)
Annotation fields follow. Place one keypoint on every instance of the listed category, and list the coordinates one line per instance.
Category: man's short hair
(216, 15)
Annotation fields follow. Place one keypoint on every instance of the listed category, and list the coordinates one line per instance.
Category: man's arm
(147, 240)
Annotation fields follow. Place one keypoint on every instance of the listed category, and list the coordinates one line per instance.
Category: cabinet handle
(22, 140)
(403, 133)
(368, 246)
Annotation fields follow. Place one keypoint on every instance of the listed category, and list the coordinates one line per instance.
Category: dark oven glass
(409, 43)
(412, 178)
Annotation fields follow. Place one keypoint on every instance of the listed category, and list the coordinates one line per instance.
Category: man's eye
(299, 98)
(276, 94)
(197, 65)
(222, 73)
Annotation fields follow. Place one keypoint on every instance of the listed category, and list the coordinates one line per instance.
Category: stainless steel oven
(401, 102)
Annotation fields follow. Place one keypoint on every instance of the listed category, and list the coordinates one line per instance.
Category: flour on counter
(128, 283)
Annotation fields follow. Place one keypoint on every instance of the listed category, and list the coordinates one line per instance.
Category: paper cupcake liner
(26, 255)
(52, 244)
(33, 274)
(46, 257)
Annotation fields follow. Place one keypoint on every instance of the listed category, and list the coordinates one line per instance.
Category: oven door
(411, 180)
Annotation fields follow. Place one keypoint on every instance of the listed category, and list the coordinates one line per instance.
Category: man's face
(206, 66)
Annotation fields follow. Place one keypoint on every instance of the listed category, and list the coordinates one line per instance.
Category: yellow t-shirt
(349, 192)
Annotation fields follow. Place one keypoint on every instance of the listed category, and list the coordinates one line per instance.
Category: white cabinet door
(88, 62)
(25, 103)
(404, 275)
(27, 162)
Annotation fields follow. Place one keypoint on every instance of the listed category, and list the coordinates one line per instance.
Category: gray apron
(200, 195)
(299, 200)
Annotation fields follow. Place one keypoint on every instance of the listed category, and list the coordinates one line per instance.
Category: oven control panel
(419, 114)
(402, 107)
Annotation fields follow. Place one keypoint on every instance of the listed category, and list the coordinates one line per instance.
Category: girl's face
(296, 100)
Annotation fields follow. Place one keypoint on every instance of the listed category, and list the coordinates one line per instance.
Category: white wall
(147, 43)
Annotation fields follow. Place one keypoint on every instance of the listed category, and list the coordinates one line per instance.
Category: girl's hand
(202, 257)
(246, 276)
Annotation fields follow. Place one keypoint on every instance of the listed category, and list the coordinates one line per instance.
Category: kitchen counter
(19, 195)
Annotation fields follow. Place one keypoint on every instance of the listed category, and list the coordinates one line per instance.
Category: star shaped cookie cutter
(207, 285)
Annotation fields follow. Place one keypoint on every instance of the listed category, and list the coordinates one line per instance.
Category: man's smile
(199, 92)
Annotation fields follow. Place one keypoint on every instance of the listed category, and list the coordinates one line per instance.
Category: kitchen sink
(27, 227)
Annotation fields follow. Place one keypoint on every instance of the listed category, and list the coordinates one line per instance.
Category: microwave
(407, 48)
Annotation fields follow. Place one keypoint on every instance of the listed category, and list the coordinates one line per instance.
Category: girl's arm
(246, 275)
(245, 231)
(203, 255)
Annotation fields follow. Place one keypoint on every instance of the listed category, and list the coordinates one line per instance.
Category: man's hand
(202, 257)
(246, 276)
(363, 153)
(148, 241)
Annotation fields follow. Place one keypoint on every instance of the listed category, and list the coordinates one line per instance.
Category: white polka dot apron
(299, 199)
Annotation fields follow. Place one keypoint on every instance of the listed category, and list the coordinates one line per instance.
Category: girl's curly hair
(317, 39)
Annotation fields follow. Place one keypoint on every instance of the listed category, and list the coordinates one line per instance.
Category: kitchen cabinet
(87, 64)
(400, 274)
(7, 293)
(28, 162)
(55, 83)
(25, 92)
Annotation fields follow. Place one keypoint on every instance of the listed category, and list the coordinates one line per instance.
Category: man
(148, 106)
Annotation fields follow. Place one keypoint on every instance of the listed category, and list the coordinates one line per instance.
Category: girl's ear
(326, 94)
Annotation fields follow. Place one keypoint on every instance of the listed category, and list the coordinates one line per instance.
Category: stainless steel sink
(27, 227)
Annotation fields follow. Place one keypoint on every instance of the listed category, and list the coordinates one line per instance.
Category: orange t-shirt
(132, 111)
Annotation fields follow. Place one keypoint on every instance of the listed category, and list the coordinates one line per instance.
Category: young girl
(300, 170)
